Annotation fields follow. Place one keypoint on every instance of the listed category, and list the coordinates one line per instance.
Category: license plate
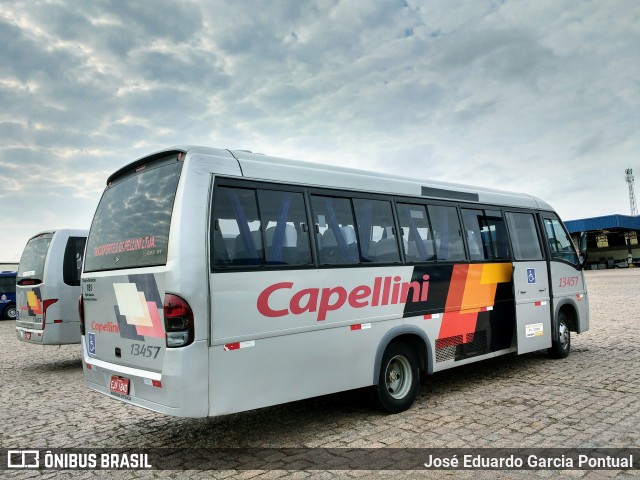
(26, 335)
(119, 385)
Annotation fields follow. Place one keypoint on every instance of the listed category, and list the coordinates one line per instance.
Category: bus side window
(560, 244)
(284, 218)
(334, 225)
(486, 234)
(473, 221)
(447, 233)
(417, 236)
(378, 243)
(72, 261)
(236, 237)
(524, 236)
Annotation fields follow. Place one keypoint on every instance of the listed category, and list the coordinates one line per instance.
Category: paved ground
(591, 399)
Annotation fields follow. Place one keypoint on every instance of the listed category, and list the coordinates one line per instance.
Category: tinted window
(259, 227)
(446, 233)
(524, 236)
(8, 284)
(417, 236)
(72, 262)
(33, 257)
(335, 232)
(237, 239)
(560, 243)
(131, 225)
(486, 234)
(378, 242)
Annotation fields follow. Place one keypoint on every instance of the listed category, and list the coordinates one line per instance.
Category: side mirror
(583, 249)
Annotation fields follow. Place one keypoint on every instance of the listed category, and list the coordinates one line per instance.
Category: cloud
(540, 97)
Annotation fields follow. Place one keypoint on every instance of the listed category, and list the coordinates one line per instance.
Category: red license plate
(119, 385)
(26, 335)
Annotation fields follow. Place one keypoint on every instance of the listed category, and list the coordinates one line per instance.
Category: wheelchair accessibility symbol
(531, 275)
(92, 343)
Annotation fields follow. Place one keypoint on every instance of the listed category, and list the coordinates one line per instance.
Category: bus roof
(262, 167)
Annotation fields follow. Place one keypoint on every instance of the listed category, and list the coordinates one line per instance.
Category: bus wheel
(10, 312)
(561, 346)
(398, 382)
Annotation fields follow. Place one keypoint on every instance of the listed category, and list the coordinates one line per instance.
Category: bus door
(567, 281)
(530, 284)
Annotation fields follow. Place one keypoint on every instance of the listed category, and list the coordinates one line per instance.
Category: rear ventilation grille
(454, 348)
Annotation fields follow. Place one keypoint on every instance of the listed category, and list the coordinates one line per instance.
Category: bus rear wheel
(10, 312)
(561, 346)
(398, 380)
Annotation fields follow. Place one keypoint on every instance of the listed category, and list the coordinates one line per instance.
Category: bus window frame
(539, 235)
(394, 199)
(542, 215)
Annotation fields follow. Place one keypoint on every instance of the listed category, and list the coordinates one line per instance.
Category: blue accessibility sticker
(92, 343)
(531, 275)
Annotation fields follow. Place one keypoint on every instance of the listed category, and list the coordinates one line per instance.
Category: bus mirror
(583, 249)
(583, 242)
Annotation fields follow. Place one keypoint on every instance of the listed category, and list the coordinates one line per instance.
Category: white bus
(48, 287)
(219, 281)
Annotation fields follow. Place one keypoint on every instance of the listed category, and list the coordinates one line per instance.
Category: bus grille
(451, 348)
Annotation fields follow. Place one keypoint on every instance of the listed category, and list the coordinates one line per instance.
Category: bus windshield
(131, 225)
(33, 257)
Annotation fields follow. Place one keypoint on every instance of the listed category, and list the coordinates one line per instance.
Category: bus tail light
(81, 314)
(178, 321)
(46, 304)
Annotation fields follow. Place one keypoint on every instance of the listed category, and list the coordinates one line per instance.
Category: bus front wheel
(398, 380)
(561, 346)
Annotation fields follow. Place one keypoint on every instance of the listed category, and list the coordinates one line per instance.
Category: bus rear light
(81, 314)
(178, 321)
(46, 304)
(156, 383)
(57, 321)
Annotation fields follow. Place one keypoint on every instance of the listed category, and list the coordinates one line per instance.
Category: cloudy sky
(541, 97)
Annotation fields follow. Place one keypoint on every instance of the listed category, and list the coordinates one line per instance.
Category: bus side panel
(567, 285)
(288, 335)
(248, 305)
(285, 368)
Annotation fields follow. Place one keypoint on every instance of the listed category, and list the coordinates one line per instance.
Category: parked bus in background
(8, 295)
(219, 281)
(48, 287)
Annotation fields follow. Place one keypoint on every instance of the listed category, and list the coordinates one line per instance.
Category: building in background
(612, 240)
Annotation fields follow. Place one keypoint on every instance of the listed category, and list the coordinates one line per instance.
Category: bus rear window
(131, 225)
(33, 257)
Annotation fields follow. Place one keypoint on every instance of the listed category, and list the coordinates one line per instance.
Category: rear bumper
(178, 390)
(65, 333)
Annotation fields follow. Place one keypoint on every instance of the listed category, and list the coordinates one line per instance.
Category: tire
(398, 380)
(561, 346)
(10, 312)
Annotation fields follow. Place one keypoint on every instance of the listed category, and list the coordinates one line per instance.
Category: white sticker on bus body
(534, 330)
